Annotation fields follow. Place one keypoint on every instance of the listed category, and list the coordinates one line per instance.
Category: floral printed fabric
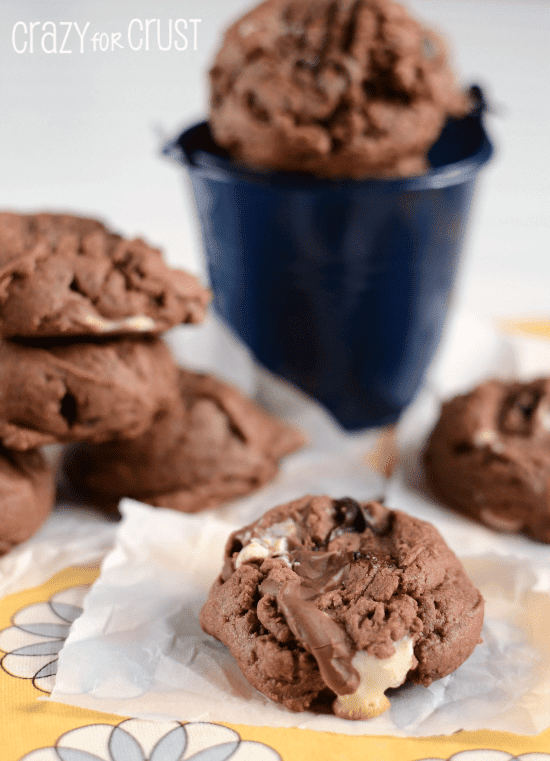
(31, 645)
(139, 740)
(33, 627)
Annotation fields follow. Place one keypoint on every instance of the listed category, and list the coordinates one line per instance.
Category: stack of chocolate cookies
(81, 360)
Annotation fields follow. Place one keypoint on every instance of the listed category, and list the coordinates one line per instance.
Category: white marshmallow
(273, 542)
(376, 676)
(140, 323)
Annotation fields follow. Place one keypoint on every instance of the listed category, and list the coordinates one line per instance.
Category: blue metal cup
(340, 287)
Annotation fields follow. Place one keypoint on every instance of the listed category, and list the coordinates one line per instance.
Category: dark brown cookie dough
(83, 391)
(211, 446)
(26, 495)
(62, 275)
(320, 595)
(356, 88)
(489, 456)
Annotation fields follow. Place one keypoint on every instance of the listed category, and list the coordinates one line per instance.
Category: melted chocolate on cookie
(313, 583)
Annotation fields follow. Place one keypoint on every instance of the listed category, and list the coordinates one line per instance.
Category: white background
(83, 131)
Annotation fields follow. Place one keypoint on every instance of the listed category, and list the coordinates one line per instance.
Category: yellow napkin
(30, 728)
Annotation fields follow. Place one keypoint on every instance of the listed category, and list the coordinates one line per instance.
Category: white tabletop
(82, 130)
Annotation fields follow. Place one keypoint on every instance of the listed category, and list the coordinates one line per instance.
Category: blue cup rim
(196, 149)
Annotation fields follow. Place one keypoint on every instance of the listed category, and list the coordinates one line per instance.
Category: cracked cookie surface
(355, 88)
(317, 582)
(62, 275)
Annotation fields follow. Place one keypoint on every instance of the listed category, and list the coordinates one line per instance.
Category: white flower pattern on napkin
(38, 632)
(140, 740)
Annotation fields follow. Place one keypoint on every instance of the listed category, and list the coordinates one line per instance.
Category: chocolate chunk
(349, 515)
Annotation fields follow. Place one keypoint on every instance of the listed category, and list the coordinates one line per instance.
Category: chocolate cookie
(325, 599)
(62, 275)
(83, 391)
(26, 495)
(210, 446)
(355, 88)
(489, 456)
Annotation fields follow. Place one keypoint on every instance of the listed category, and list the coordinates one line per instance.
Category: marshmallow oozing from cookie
(325, 599)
